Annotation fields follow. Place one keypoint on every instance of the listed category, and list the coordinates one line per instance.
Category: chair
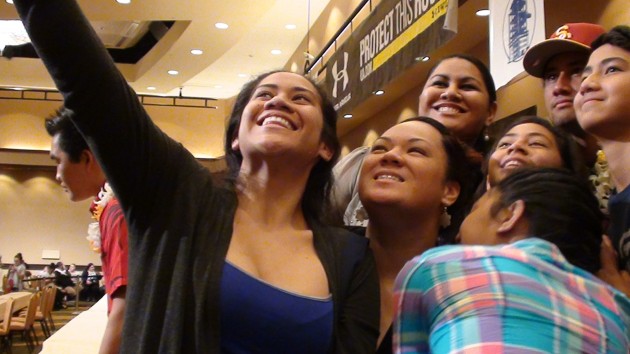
(5, 284)
(51, 304)
(25, 324)
(5, 338)
(43, 314)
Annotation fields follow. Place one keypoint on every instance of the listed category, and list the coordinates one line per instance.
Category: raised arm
(129, 147)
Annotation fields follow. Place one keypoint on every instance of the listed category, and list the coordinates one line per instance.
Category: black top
(180, 223)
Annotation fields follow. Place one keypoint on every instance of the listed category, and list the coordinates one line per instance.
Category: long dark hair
(315, 200)
(560, 208)
(488, 82)
(463, 164)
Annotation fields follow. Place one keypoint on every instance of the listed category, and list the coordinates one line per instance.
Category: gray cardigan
(180, 223)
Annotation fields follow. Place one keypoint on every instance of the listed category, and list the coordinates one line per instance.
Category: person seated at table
(72, 269)
(47, 272)
(63, 280)
(91, 279)
(523, 280)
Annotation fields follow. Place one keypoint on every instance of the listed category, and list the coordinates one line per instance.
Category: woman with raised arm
(249, 267)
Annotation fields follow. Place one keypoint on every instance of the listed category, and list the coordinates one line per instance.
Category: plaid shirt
(518, 298)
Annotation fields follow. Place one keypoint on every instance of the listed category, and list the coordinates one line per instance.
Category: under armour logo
(340, 75)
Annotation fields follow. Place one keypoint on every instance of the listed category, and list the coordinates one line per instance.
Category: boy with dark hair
(82, 177)
(530, 286)
(603, 108)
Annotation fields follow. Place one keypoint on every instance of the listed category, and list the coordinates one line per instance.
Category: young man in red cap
(559, 62)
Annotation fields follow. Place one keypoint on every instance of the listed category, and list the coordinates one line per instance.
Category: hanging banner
(515, 25)
(390, 40)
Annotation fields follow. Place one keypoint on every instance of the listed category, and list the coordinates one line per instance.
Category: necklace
(94, 230)
(602, 182)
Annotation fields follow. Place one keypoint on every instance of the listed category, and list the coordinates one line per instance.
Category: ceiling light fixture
(151, 88)
(347, 116)
(425, 58)
(242, 75)
(276, 52)
(196, 52)
(221, 25)
(483, 13)
(124, 2)
(173, 72)
(379, 92)
(9, 1)
(290, 26)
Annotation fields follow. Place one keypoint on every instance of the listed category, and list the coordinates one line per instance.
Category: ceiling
(230, 56)
(255, 28)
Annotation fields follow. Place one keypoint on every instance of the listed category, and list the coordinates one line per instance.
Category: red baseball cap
(571, 37)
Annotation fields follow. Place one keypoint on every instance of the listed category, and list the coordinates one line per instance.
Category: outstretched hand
(610, 272)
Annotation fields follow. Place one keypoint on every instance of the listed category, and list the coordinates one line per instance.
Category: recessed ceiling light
(379, 92)
(221, 25)
(9, 1)
(347, 116)
(196, 52)
(425, 58)
(173, 72)
(151, 88)
(242, 75)
(290, 26)
(483, 12)
(276, 52)
(124, 2)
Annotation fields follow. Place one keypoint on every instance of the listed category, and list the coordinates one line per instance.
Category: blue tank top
(257, 317)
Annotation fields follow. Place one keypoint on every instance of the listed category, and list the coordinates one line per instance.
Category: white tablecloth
(82, 335)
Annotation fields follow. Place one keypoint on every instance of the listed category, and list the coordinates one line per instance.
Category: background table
(82, 335)
(20, 300)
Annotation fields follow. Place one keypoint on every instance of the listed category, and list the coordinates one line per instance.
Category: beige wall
(22, 124)
(36, 215)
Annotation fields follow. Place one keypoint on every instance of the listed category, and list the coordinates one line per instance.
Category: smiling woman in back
(459, 93)
(414, 178)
